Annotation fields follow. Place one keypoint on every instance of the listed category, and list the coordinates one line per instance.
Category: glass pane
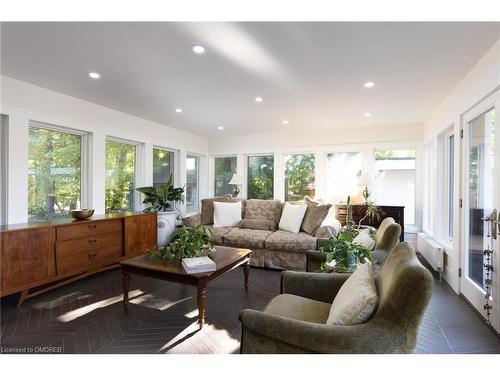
(342, 175)
(451, 183)
(299, 176)
(120, 176)
(54, 173)
(395, 180)
(260, 177)
(224, 168)
(192, 194)
(481, 166)
(163, 166)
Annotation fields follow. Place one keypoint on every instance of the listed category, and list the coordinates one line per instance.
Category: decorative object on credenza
(343, 254)
(366, 180)
(372, 212)
(349, 211)
(82, 214)
(187, 242)
(163, 200)
(236, 180)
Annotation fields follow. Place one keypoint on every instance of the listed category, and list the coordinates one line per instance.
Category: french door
(481, 201)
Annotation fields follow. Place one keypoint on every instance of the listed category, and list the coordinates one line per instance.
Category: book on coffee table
(198, 265)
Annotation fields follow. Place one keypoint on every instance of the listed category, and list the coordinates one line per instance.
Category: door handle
(492, 219)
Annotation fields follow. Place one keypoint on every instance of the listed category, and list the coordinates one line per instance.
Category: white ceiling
(310, 74)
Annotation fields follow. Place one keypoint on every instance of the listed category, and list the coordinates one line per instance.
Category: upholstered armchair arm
(314, 260)
(263, 332)
(318, 286)
(192, 220)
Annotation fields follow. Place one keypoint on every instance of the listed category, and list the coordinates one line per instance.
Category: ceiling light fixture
(285, 122)
(198, 49)
(368, 114)
(259, 99)
(220, 127)
(369, 84)
(94, 75)
(178, 110)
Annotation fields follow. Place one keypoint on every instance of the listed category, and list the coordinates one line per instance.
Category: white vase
(165, 227)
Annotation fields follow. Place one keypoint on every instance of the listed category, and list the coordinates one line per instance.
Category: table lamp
(366, 180)
(236, 180)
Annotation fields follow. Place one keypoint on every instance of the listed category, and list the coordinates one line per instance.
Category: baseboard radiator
(432, 251)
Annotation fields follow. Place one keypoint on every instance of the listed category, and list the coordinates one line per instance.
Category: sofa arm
(304, 336)
(314, 260)
(192, 220)
(318, 286)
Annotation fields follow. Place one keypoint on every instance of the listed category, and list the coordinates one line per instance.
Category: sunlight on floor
(192, 314)
(169, 304)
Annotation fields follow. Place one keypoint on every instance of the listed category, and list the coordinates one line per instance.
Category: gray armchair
(295, 321)
(386, 238)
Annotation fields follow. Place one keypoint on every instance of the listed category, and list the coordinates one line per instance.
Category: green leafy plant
(160, 198)
(345, 253)
(187, 242)
(372, 212)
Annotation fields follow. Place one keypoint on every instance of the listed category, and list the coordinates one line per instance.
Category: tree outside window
(299, 176)
(260, 180)
(120, 176)
(224, 168)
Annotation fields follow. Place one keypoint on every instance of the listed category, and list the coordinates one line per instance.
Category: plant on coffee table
(187, 242)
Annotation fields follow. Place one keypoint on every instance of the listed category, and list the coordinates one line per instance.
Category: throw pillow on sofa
(291, 217)
(315, 214)
(262, 224)
(227, 214)
(364, 239)
(357, 299)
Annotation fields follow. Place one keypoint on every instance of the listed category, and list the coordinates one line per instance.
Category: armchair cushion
(300, 308)
(356, 300)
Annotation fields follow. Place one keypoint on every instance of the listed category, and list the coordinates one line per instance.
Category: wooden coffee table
(225, 258)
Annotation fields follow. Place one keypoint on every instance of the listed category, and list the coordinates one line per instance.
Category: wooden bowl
(82, 214)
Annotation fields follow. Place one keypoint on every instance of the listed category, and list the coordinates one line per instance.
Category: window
(54, 172)
(427, 202)
(299, 176)
(120, 176)
(395, 180)
(449, 183)
(343, 169)
(260, 181)
(163, 165)
(224, 168)
(192, 185)
(3, 168)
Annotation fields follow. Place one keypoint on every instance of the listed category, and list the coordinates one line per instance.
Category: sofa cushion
(263, 209)
(295, 242)
(299, 308)
(314, 216)
(218, 233)
(262, 224)
(207, 208)
(247, 238)
(356, 300)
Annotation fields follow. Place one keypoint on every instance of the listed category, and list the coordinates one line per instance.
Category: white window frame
(443, 194)
(138, 172)
(198, 179)
(428, 190)
(85, 157)
(174, 162)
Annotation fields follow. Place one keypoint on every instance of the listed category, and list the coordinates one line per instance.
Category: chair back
(404, 287)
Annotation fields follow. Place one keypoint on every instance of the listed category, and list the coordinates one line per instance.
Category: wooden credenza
(359, 210)
(61, 251)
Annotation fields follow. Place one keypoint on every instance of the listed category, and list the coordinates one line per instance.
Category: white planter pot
(166, 225)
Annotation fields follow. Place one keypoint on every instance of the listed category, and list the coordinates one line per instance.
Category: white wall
(482, 80)
(24, 102)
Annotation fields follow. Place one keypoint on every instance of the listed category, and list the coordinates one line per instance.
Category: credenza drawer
(72, 255)
(90, 228)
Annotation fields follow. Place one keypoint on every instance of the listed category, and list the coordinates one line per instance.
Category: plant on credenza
(187, 242)
(371, 211)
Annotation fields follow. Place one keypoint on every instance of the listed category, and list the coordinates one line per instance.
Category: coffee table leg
(202, 300)
(125, 285)
(246, 271)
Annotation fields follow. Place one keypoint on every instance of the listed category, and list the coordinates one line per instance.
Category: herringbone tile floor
(87, 317)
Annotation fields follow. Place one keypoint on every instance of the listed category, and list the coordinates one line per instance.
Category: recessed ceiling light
(198, 49)
(94, 75)
(369, 84)
(285, 122)
(178, 110)
(220, 127)
(259, 99)
(368, 114)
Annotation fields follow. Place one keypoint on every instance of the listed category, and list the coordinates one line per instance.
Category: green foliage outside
(260, 177)
(299, 176)
(394, 154)
(54, 173)
(162, 165)
(120, 171)
(187, 242)
(224, 168)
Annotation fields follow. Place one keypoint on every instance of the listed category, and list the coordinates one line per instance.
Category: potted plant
(163, 199)
(372, 212)
(187, 242)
